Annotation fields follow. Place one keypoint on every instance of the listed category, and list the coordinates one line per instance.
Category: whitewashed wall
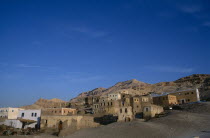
(28, 114)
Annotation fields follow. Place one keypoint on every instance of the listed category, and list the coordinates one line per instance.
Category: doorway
(183, 101)
(23, 124)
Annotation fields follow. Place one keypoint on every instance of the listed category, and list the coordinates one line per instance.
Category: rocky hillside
(201, 81)
(97, 91)
(131, 86)
(44, 103)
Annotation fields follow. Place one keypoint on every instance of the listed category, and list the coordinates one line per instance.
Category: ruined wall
(76, 122)
(125, 113)
(151, 110)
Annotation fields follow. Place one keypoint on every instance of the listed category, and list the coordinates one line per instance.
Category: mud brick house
(138, 102)
(178, 97)
(165, 100)
(59, 111)
(187, 96)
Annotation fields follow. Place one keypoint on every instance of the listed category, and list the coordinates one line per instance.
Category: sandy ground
(178, 124)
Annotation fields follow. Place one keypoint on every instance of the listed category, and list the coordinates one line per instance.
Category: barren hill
(44, 103)
(134, 87)
(201, 81)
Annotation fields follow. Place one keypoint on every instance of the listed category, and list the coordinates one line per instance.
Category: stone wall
(73, 122)
(151, 110)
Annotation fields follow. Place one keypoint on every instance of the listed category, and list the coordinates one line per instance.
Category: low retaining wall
(73, 122)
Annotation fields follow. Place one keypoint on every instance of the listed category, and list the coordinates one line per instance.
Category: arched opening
(60, 126)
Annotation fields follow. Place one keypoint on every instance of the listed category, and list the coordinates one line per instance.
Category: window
(120, 110)
(126, 110)
(32, 114)
(35, 114)
(111, 103)
(147, 109)
(22, 115)
(191, 92)
(137, 106)
(55, 111)
(12, 110)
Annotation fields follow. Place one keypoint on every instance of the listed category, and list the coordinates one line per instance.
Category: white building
(9, 113)
(25, 119)
(29, 118)
(114, 96)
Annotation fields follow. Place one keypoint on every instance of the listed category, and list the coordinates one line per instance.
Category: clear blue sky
(61, 48)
